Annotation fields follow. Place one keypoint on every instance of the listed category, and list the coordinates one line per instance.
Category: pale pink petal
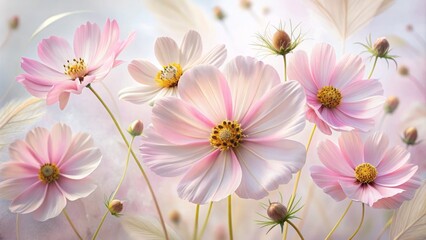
(323, 60)
(375, 147)
(179, 122)
(267, 164)
(12, 187)
(63, 100)
(394, 159)
(207, 90)
(75, 189)
(248, 80)
(214, 57)
(366, 108)
(281, 111)
(191, 48)
(352, 148)
(143, 72)
(328, 181)
(331, 156)
(36, 86)
(18, 169)
(53, 204)
(86, 41)
(367, 193)
(108, 41)
(81, 164)
(24, 153)
(58, 142)
(55, 93)
(340, 121)
(328, 116)
(166, 51)
(212, 178)
(397, 177)
(121, 45)
(312, 117)
(169, 159)
(100, 71)
(139, 94)
(30, 199)
(349, 69)
(298, 69)
(359, 90)
(41, 71)
(55, 52)
(395, 201)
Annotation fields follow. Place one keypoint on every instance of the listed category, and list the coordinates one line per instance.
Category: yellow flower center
(225, 135)
(329, 96)
(48, 173)
(169, 76)
(75, 69)
(365, 173)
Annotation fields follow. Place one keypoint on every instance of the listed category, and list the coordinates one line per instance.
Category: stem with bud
(374, 66)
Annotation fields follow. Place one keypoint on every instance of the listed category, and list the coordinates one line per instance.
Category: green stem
(285, 67)
(360, 224)
(197, 213)
(151, 190)
(203, 229)
(231, 235)
(72, 225)
(338, 222)
(17, 226)
(295, 228)
(372, 69)
(116, 189)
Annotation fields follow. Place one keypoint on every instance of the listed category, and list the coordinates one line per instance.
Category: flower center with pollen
(48, 173)
(329, 96)
(225, 135)
(75, 69)
(169, 76)
(365, 173)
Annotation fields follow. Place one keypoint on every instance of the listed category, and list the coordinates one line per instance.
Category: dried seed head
(175, 216)
(391, 104)
(281, 40)
(381, 47)
(410, 136)
(115, 207)
(218, 13)
(403, 70)
(277, 212)
(136, 128)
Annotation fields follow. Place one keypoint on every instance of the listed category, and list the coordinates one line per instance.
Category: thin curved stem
(360, 224)
(203, 229)
(151, 190)
(116, 189)
(295, 228)
(71, 224)
(338, 222)
(372, 69)
(285, 67)
(17, 226)
(296, 182)
(197, 213)
(388, 223)
(231, 235)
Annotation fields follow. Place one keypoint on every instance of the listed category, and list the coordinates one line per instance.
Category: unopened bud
(280, 40)
(136, 128)
(277, 212)
(403, 70)
(409, 28)
(410, 136)
(218, 13)
(246, 4)
(14, 22)
(115, 207)
(381, 46)
(175, 217)
(391, 104)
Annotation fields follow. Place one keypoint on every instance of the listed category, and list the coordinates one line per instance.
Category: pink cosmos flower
(367, 172)
(337, 97)
(156, 83)
(46, 169)
(228, 132)
(63, 71)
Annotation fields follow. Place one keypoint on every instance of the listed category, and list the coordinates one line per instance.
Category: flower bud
(381, 46)
(218, 13)
(391, 104)
(403, 70)
(115, 207)
(246, 4)
(14, 22)
(409, 28)
(277, 212)
(136, 128)
(410, 136)
(280, 40)
(174, 216)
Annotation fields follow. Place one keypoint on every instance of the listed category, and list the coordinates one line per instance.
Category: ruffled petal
(375, 148)
(214, 57)
(328, 181)
(367, 108)
(348, 70)
(59, 140)
(46, 74)
(393, 159)
(312, 117)
(213, 178)
(55, 52)
(139, 94)
(86, 42)
(53, 204)
(323, 60)
(331, 156)
(143, 72)
(75, 189)
(298, 69)
(397, 177)
(12, 187)
(24, 153)
(248, 80)
(191, 48)
(30, 199)
(18, 169)
(166, 51)
(352, 148)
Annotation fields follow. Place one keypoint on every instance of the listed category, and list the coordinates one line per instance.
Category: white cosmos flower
(156, 83)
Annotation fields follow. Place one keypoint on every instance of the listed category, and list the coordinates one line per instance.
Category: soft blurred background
(402, 22)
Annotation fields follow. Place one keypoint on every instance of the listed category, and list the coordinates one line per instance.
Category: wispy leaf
(348, 16)
(17, 115)
(146, 228)
(53, 19)
(409, 221)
